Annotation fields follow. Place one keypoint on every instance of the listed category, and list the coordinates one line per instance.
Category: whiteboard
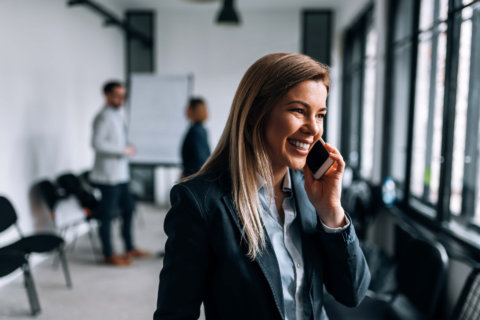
(157, 120)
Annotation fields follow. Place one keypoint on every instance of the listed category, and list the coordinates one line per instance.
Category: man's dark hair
(110, 85)
(194, 102)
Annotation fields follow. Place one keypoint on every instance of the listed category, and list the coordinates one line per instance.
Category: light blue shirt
(287, 244)
(109, 140)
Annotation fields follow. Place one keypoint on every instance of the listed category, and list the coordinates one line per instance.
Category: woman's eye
(321, 116)
(298, 110)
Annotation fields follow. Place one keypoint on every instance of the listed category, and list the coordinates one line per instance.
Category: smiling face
(295, 124)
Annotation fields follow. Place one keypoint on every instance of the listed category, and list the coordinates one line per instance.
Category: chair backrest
(421, 272)
(80, 187)
(8, 216)
(468, 304)
(85, 177)
(70, 183)
(45, 190)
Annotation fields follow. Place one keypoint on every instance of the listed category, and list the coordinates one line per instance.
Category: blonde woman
(252, 235)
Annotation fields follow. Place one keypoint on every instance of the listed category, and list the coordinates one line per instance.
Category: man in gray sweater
(110, 174)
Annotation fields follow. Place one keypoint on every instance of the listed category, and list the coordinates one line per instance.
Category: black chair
(81, 190)
(358, 201)
(467, 306)
(87, 199)
(421, 273)
(13, 260)
(45, 192)
(36, 243)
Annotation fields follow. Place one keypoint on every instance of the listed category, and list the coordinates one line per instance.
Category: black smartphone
(318, 159)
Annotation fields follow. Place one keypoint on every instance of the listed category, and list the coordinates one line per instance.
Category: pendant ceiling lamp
(227, 14)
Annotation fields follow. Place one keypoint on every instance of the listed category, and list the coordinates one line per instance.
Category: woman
(195, 148)
(252, 235)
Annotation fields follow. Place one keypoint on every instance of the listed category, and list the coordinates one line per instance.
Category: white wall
(53, 61)
(188, 41)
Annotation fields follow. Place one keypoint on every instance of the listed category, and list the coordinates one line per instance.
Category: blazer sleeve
(346, 273)
(183, 276)
(101, 141)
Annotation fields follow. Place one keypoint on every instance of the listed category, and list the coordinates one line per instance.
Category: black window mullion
(387, 101)
(346, 96)
(411, 102)
(363, 36)
(451, 70)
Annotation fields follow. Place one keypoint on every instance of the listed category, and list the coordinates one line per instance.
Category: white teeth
(298, 144)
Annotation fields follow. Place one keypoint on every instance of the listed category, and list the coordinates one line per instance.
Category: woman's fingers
(308, 175)
(335, 155)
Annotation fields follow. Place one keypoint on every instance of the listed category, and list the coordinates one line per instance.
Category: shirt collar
(286, 184)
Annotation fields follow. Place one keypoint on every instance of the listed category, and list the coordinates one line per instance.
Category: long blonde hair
(242, 144)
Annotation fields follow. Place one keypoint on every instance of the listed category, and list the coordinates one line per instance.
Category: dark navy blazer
(205, 259)
(195, 149)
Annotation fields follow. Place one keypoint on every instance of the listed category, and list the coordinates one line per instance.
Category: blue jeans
(115, 197)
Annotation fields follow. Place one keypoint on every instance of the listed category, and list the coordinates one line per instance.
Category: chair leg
(31, 291)
(92, 242)
(66, 271)
(74, 241)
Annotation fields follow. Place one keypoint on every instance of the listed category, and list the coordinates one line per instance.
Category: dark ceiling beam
(112, 20)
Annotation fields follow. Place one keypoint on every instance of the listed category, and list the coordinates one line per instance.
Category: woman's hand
(325, 193)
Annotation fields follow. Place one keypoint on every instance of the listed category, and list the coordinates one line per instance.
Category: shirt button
(298, 265)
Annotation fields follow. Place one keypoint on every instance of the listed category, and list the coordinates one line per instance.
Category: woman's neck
(278, 175)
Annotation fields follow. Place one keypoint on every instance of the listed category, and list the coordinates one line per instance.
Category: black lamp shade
(228, 15)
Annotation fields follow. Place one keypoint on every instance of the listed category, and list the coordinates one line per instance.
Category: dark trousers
(115, 199)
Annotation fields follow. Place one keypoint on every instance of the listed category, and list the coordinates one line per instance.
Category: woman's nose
(312, 125)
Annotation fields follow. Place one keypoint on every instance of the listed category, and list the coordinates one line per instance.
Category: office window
(368, 102)
(399, 108)
(359, 88)
(465, 194)
(428, 106)
(399, 87)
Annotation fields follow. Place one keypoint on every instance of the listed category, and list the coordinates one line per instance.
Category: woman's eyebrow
(306, 105)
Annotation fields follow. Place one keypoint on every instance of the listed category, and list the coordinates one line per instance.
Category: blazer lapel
(266, 260)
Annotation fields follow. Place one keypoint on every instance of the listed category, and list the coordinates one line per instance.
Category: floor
(99, 291)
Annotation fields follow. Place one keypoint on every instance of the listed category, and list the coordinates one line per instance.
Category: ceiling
(240, 4)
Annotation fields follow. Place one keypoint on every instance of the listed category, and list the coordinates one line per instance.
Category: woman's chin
(297, 165)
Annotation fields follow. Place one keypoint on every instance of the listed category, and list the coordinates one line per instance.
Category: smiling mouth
(301, 145)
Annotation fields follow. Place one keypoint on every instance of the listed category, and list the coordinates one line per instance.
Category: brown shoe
(118, 261)
(137, 254)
